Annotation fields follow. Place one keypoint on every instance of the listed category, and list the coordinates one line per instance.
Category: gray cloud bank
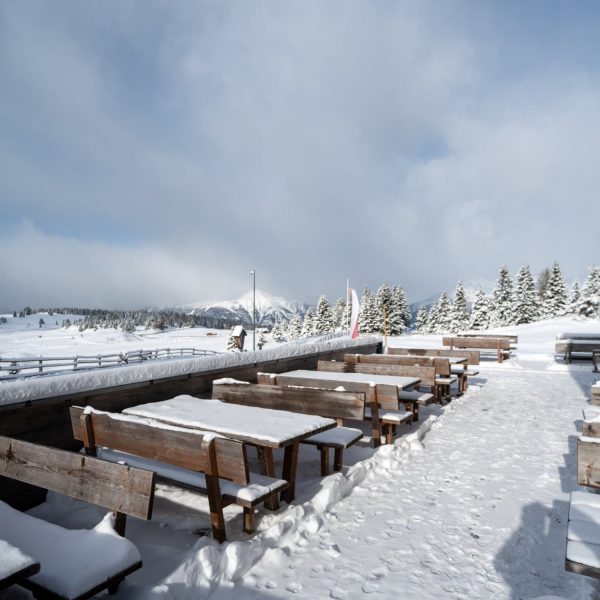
(155, 153)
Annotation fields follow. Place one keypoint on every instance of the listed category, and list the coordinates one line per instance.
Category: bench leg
(338, 457)
(215, 505)
(389, 433)
(249, 524)
(267, 467)
(324, 460)
(290, 464)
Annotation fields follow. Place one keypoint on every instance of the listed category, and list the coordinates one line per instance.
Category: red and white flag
(354, 316)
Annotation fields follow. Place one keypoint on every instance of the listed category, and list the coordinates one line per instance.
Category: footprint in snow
(294, 587)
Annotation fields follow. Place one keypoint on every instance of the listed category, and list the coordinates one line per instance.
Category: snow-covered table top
(13, 561)
(260, 426)
(400, 382)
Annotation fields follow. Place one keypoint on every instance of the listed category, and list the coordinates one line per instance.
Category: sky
(154, 153)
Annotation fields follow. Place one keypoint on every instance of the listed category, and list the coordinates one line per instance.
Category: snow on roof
(237, 331)
(46, 386)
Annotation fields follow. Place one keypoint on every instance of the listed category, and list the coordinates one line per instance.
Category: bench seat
(415, 396)
(339, 437)
(458, 370)
(391, 416)
(74, 563)
(583, 534)
(259, 488)
(446, 380)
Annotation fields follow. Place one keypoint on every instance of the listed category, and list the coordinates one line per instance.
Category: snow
(400, 382)
(272, 427)
(86, 557)
(13, 560)
(470, 502)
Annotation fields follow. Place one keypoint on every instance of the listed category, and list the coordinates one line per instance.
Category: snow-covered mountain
(269, 309)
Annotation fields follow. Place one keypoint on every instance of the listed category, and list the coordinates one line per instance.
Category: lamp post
(253, 273)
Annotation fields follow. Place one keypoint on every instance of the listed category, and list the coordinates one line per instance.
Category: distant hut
(239, 334)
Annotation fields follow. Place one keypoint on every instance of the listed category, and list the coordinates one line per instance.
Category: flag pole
(348, 302)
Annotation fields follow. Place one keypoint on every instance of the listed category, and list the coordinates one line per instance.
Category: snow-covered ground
(471, 502)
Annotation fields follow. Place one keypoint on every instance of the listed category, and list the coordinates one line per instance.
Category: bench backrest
(385, 396)
(187, 449)
(325, 403)
(514, 339)
(119, 488)
(334, 366)
(495, 343)
(472, 356)
(441, 364)
(425, 374)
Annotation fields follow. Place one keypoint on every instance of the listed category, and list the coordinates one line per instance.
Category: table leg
(290, 463)
(267, 467)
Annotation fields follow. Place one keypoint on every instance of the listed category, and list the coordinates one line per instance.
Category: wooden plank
(117, 487)
(425, 374)
(495, 343)
(472, 356)
(325, 403)
(332, 366)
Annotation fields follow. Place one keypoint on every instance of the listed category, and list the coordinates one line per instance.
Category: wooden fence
(13, 368)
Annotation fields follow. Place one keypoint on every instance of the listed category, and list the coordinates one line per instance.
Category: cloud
(313, 141)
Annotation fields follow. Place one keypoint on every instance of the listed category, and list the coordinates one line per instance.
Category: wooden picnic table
(340, 378)
(15, 565)
(262, 427)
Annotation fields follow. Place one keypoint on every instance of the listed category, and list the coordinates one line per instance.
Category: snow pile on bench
(13, 560)
(72, 561)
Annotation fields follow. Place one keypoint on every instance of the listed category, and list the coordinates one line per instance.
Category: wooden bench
(67, 568)
(595, 390)
(500, 345)
(325, 403)
(514, 339)
(463, 372)
(443, 374)
(203, 461)
(584, 345)
(583, 534)
(382, 407)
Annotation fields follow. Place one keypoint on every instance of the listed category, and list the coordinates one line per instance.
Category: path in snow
(480, 513)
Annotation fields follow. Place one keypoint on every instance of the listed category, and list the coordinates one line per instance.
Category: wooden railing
(13, 368)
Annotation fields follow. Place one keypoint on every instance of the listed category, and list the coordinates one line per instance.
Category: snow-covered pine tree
(231, 346)
(421, 321)
(481, 311)
(503, 299)
(542, 282)
(383, 298)
(589, 302)
(367, 319)
(574, 298)
(395, 313)
(459, 316)
(277, 332)
(402, 306)
(324, 321)
(262, 340)
(338, 312)
(345, 322)
(443, 313)
(555, 300)
(526, 307)
(308, 324)
(294, 330)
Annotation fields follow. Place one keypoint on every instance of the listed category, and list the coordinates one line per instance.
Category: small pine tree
(503, 299)
(574, 298)
(308, 324)
(231, 345)
(383, 301)
(399, 316)
(338, 313)
(589, 302)
(459, 316)
(324, 319)
(526, 307)
(41, 322)
(262, 340)
(277, 333)
(294, 330)
(555, 299)
(421, 321)
(481, 313)
(367, 319)
(542, 282)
